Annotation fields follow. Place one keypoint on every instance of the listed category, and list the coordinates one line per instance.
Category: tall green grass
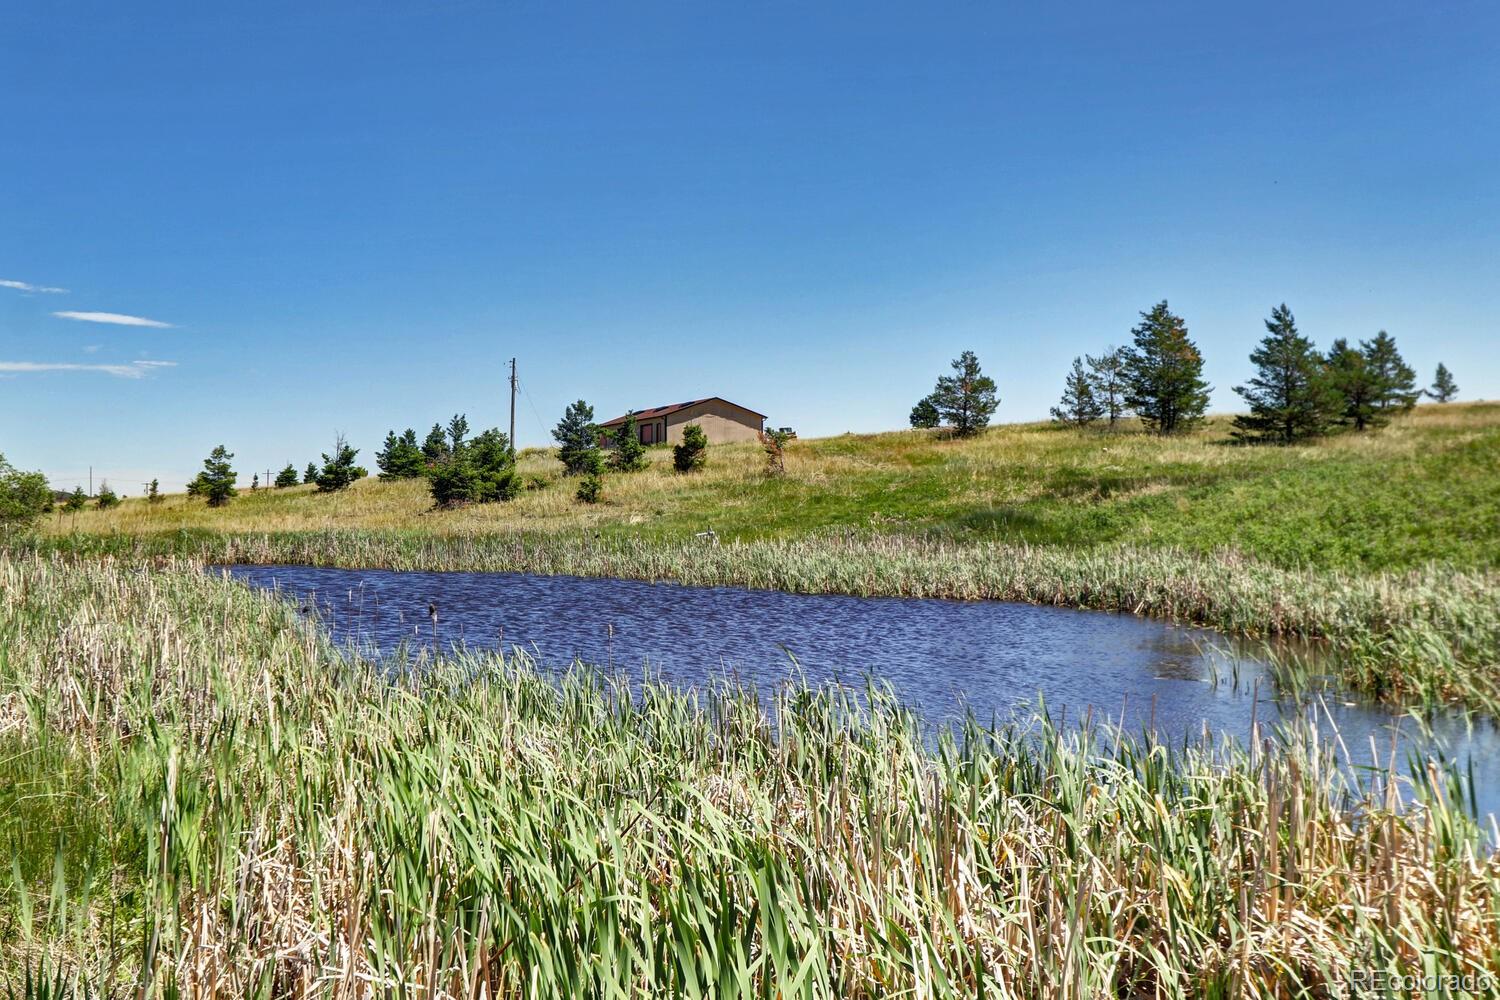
(203, 798)
(1427, 635)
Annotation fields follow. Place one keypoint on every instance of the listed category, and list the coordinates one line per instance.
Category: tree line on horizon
(1296, 392)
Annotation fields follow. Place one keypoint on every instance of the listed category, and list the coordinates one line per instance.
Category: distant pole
(91, 480)
(512, 407)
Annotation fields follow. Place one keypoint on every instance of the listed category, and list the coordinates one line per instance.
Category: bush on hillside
(590, 489)
(692, 454)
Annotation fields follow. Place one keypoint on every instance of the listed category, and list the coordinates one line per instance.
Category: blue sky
(352, 215)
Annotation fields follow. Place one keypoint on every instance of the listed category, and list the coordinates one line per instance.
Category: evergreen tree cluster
(965, 400)
(1094, 393)
(1296, 392)
(481, 470)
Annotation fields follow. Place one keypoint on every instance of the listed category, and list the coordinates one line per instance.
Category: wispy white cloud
(119, 319)
(26, 286)
(135, 369)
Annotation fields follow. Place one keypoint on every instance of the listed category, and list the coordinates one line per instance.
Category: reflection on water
(941, 657)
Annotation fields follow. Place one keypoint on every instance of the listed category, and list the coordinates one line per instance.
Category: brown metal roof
(662, 411)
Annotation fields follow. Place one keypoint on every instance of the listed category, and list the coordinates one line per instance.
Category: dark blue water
(941, 657)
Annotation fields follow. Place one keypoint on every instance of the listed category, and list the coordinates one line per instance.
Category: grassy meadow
(200, 797)
(1426, 488)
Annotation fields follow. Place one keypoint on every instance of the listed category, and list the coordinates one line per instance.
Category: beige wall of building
(722, 422)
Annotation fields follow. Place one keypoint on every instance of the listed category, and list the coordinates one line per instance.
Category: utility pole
(512, 407)
(91, 480)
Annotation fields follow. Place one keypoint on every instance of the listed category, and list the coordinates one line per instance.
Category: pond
(993, 658)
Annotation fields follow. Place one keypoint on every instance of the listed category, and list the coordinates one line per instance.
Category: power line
(540, 424)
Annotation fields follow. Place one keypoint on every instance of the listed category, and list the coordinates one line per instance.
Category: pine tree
(1078, 405)
(286, 477)
(1164, 373)
(629, 454)
(692, 454)
(255, 482)
(216, 482)
(76, 501)
(401, 457)
(966, 399)
(578, 440)
(1395, 380)
(435, 447)
(153, 493)
(1350, 376)
(1108, 374)
(1443, 387)
(458, 429)
(339, 470)
(1291, 396)
(310, 474)
(925, 414)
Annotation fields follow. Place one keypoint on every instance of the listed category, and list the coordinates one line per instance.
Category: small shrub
(107, 497)
(535, 483)
(774, 440)
(286, 477)
(153, 492)
(590, 489)
(692, 454)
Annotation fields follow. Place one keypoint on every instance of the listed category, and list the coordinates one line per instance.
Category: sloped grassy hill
(1425, 489)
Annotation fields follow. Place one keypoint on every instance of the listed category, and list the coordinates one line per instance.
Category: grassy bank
(201, 796)
(1424, 635)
